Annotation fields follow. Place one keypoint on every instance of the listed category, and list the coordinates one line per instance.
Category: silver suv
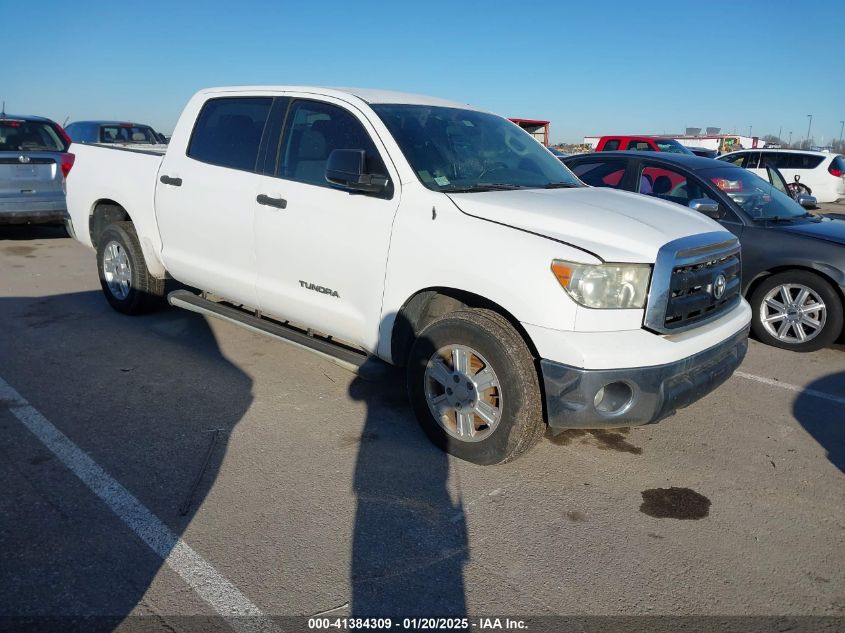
(34, 162)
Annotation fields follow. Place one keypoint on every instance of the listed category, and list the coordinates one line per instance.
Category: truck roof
(368, 95)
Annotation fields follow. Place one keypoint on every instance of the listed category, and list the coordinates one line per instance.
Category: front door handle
(279, 203)
(167, 180)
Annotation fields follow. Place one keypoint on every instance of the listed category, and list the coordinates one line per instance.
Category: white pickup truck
(428, 234)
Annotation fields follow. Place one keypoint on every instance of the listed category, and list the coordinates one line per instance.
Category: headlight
(608, 286)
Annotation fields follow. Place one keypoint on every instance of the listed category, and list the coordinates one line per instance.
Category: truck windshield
(671, 145)
(455, 150)
(755, 196)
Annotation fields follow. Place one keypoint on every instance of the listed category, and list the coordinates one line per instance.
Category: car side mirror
(347, 168)
(808, 202)
(797, 177)
(708, 207)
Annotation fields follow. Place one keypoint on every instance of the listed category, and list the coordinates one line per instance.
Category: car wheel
(124, 278)
(796, 310)
(474, 388)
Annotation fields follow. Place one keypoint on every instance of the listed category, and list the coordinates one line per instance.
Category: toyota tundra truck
(365, 225)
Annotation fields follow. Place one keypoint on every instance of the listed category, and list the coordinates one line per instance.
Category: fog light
(613, 398)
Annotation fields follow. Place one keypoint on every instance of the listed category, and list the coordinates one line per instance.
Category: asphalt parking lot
(168, 465)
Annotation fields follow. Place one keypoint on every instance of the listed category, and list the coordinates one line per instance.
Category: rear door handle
(279, 203)
(167, 180)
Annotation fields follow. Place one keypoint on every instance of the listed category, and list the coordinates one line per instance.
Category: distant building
(537, 128)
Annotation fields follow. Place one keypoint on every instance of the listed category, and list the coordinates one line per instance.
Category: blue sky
(589, 67)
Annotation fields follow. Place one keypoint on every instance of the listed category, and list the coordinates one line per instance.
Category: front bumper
(18, 211)
(639, 395)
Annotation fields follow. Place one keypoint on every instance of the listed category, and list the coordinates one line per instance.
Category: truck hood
(617, 226)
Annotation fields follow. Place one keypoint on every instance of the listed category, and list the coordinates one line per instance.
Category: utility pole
(809, 125)
(790, 139)
(780, 131)
(841, 127)
(750, 127)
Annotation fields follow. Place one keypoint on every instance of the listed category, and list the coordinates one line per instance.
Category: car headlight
(605, 286)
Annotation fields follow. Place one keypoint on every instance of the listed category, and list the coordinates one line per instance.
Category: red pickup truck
(640, 143)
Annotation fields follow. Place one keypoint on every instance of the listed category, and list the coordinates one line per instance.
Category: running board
(367, 367)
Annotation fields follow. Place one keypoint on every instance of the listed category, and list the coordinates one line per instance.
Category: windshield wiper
(777, 218)
(561, 185)
(482, 187)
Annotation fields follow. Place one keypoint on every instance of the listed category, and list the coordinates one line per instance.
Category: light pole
(780, 131)
(750, 127)
(841, 127)
(809, 125)
(790, 139)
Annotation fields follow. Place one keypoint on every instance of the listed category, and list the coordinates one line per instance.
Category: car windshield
(671, 145)
(127, 134)
(20, 135)
(456, 150)
(755, 196)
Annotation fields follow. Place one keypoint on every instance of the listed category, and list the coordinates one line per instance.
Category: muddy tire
(127, 284)
(473, 384)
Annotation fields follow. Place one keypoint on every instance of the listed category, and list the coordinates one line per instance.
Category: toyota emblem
(719, 286)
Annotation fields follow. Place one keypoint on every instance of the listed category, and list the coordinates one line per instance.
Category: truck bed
(124, 175)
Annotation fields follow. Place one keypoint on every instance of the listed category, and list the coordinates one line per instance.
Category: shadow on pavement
(822, 418)
(409, 543)
(152, 400)
(16, 232)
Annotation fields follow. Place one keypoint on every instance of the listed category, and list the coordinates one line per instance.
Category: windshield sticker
(442, 181)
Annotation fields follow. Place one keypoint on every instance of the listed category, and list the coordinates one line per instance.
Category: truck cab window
(639, 146)
(228, 131)
(313, 131)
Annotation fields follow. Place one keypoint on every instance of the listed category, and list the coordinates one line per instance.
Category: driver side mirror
(708, 207)
(347, 168)
(808, 202)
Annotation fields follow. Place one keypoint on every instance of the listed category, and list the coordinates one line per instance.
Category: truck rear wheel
(127, 284)
(473, 385)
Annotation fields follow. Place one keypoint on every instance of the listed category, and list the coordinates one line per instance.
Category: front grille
(693, 290)
(696, 279)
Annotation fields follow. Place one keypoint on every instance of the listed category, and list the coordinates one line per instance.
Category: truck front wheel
(124, 278)
(473, 385)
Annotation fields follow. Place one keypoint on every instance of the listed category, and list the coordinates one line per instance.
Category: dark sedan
(793, 262)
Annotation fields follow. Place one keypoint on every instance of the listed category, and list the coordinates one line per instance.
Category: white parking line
(198, 573)
(785, 385)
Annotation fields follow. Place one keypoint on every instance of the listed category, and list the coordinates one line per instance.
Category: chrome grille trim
(686, 251)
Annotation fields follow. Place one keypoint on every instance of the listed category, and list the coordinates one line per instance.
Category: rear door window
(20, 135)
(771, 159)
(601, 173)
(228, 131)
(753, 159)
